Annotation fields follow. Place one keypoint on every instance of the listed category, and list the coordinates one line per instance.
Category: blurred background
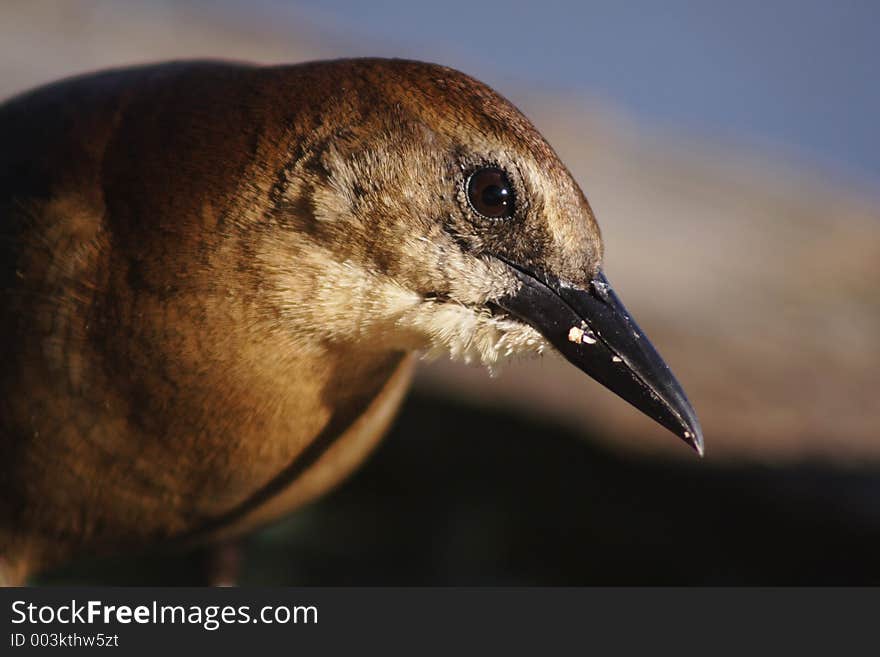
(731, 152)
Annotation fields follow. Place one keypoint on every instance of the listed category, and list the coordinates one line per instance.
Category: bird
(215, 279)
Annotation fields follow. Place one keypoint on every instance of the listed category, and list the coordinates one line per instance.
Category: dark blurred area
(731, 155)
(461, 494)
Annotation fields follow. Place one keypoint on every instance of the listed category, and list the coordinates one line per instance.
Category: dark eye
(490, 193)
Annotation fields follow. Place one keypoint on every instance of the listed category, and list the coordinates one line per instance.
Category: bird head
(434, 216)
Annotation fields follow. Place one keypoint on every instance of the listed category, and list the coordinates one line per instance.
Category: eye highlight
(490, 193)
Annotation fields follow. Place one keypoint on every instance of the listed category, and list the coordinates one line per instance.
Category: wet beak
(596, 333)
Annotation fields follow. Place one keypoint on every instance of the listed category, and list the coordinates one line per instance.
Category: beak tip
(694, 438)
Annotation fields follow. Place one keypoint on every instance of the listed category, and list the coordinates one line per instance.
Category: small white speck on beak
(581, 335)
(575, 335)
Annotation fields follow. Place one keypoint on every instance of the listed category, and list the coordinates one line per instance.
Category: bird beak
(596, 333)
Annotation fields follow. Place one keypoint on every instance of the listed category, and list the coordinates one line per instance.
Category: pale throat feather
(321, 298)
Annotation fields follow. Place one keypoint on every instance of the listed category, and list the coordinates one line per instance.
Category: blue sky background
(799, 76)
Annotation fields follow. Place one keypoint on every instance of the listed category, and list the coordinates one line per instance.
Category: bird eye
(490, 193)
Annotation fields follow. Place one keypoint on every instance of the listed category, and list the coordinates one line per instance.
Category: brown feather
(212, 274)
